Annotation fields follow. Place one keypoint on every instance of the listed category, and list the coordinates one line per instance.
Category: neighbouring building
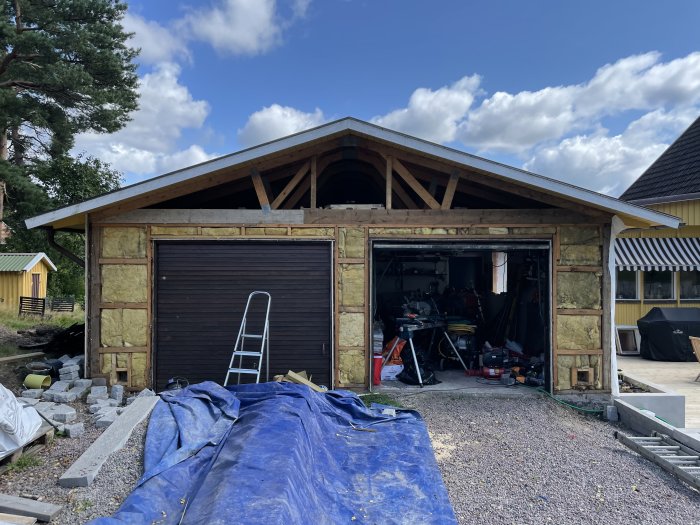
(23, 275)
(661, 267)
(346, 224)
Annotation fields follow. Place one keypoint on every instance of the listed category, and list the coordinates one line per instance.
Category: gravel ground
(114, 482)
(532, 461)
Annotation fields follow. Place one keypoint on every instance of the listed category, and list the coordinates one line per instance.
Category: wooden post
(450, 191)
(260, 190)
(290, 186)
(389, 177)
(313, 182)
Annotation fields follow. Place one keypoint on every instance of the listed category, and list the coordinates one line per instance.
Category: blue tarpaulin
(280, 453)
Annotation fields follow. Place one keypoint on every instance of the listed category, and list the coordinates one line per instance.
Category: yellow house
(23, 275)
(662, 267)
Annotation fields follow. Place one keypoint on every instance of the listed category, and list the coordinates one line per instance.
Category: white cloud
(434, 115)
(148, 143)
(275, 121)
(609, 164)
(241, 27)
(157, 43)
(515, 123)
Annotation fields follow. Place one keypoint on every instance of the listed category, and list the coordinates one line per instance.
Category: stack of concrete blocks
(70, 370)
(105, 405)
(67, 391)
(62, 417)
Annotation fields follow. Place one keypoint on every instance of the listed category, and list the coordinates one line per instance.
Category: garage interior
(492, 300)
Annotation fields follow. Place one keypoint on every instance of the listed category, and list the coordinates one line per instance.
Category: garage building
(347, 225)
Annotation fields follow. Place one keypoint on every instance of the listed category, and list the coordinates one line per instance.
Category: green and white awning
(661, 254)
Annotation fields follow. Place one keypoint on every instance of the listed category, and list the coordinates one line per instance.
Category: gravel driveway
(531, 460)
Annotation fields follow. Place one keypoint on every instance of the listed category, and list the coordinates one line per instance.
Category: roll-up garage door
(201, 290)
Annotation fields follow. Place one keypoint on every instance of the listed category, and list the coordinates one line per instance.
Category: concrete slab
(28, 507)
(456, 381)
(33, 393)
(84, 470)
(668, 376)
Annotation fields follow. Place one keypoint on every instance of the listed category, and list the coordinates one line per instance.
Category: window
(690, 285)
(658, 285)
(626, 287)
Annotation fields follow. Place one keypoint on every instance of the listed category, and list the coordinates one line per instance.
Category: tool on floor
(239, 350)
(668, 453)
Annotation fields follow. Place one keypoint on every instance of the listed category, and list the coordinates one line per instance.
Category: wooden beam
(404, 197)
(415, 185)
(388, 179)
(461, 218)
(290, 186)
(260, 190)
(314, 174)
(297, 195)
(450, 191)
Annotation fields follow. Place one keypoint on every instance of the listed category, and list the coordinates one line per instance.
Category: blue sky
(586, 92)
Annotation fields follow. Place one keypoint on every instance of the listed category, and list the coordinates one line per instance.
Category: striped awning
(669, 254)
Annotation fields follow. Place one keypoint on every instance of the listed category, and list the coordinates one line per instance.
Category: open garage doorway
(473, 312)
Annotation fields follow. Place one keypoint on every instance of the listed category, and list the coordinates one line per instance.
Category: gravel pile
(533, 461)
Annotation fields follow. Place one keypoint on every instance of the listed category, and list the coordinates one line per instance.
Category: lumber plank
(28, 507)
(388, 178)
(450, 191)
(204, 216)
(16, 519)
(17, 357)
(289, 188)
(415, 185)
(296, 378)
(314, 175)
(260, 190)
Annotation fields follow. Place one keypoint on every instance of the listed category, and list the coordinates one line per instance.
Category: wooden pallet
(39, 440)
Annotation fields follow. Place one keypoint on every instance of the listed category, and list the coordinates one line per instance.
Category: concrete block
(64, 358)
(79, 391)
(66, 369)
(64, 414)
(33, 393)
(107, 419)
(43, 406)
(93, 398)
(668, 406)
(71, 376)
(48, 395)
(146, 393)
(117, 393)
(86, 383)
(611, 413)
(99, 381)
(28, 402)
(75, 430)
(65, 397)
(98, 390)
(61, 386)
(84, 470)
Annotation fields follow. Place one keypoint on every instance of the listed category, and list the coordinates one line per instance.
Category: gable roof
(23, 262)
(675, 173)
(352, 126)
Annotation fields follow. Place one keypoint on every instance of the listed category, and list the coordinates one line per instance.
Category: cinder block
(64, 414)
(71, 376)
(75, 430)
(99, 381)
(93, 398)
(65, 397)
(64, 358)
(97, 390)
(83, 383)
(33, 393)
(611, 413)
(117, 393)
(69, 368)
(61, 386)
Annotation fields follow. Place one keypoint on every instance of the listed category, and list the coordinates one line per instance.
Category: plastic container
(377, 370)
(37, 381)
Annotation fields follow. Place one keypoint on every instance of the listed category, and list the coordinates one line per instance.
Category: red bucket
(377, 370)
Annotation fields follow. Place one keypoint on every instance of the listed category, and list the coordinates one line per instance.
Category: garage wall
(121, 293)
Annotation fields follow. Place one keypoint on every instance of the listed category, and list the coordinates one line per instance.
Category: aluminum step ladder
(239, 350)
(668, 453)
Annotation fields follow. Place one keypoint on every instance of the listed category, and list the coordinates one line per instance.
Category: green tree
(65, 69)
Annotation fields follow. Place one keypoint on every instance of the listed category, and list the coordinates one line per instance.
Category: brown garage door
(201, 290)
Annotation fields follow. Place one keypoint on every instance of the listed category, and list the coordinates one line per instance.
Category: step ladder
(239, 350)
(668, 453)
